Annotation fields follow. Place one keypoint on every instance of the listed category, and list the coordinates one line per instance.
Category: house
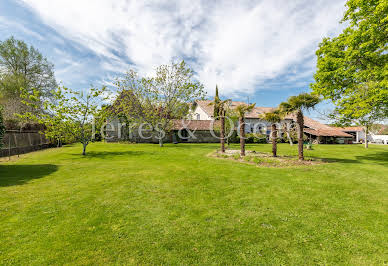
(201, 127)
(314, 130)
(358, 133)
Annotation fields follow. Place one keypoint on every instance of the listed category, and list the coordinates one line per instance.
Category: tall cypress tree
(217, 100)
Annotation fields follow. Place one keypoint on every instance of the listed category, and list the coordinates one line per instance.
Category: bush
(255, 138)
(2, 127)
(247, 158)
(236, 156)
(234, 137)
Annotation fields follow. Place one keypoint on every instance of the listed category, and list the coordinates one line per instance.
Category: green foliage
(216, 111)
(242, 109)
(255, 138)
(2, 127)
(379, 129)
(273, 117)
(160, 99)
(295, 105)
(23, 67)
(352, 67)
(248, 158)
(303, 101)
(69, 115)
(236, 156)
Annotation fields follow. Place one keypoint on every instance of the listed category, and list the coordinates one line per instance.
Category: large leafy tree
(352, 68)
(22, 67)
(274, 117)
(295, 105)
(67, 114)
(241, 110)
(158, 100)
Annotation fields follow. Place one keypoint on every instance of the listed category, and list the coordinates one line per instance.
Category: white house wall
(384, 138)
(202, 114)
(256, 125)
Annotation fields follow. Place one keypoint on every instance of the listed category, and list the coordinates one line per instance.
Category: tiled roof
(205, 105)
(194, 124)
(318, 129)
(314, 127)
(208, 108)
(326, 132)
(350, 128)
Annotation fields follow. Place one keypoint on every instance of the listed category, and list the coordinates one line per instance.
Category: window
(198, 116)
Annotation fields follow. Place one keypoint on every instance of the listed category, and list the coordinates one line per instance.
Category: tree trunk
(242, 135)
(274, 140)
(289, 138)
(160, 142)
(366, 137)
(300, 123)
(222, 133)
(84, 149)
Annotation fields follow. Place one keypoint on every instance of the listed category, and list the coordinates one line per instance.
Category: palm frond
(273, 117)
(302, 101)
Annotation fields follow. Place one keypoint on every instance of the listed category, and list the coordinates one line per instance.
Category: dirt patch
(265, 159)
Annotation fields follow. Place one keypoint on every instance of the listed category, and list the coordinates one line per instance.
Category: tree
(379, 129)
(241, 111)
(22, 67)
(67, 114)
(296, 105)
(2, 127)
(157, 101)
(359, 108)
(273, 117)
(352, 67)
(220, 109)
(288, 128)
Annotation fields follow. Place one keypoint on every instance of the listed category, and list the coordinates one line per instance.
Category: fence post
(16, 144)
(9, 147)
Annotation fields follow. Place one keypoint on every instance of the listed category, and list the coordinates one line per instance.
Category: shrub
(236, 156)
(2, 127)
(234, 138)
(255, 138)
(257, 160)
(247, 158)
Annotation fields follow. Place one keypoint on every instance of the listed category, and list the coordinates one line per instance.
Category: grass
(142, 204)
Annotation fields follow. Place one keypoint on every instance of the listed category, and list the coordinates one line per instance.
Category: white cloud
(236, 45)
(6, 23)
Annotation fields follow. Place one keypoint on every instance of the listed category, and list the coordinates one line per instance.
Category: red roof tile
(314, 127)
(350, 128)
(208, 108)
(194, 124)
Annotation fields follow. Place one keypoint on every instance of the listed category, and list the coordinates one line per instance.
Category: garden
(143, 204)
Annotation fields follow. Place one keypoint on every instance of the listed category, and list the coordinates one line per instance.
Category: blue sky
(264, 50)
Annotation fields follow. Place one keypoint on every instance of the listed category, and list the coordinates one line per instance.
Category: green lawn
(142, 204)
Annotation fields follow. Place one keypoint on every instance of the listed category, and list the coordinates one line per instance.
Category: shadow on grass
(11, 175)
(378, 157)
(110, 154)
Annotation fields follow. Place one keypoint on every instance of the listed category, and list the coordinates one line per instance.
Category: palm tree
(273, 117)
(296, 105)
(219, 112)
(241, 111)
